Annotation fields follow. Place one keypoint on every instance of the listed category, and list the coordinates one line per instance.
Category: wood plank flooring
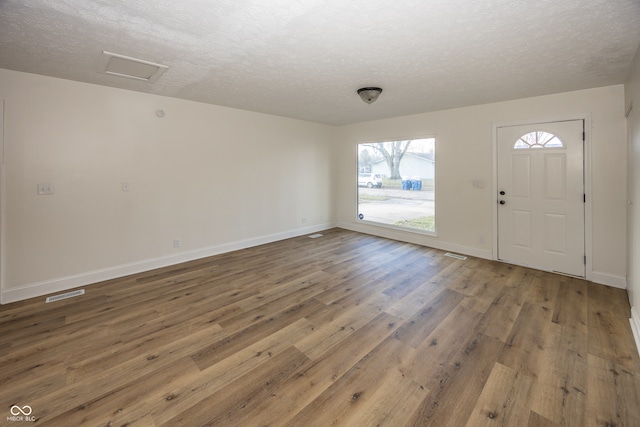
(343, 330)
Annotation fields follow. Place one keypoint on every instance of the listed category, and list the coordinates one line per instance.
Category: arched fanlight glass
(538, 139)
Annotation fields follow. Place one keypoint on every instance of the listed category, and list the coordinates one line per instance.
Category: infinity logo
(25, 410)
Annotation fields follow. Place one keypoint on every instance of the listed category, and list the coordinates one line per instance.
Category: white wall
(184, 173)
(185, 180)
(464, 144)
(632, 92)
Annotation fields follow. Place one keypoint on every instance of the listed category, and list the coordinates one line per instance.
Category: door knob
(502, 193)
(502, 202)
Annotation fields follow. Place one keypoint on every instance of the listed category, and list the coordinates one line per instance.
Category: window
(538, 139)
(396, 184)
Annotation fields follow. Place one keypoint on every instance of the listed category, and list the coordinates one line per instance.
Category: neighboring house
(411, 165)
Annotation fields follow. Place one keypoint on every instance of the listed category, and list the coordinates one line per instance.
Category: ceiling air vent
(133, 68)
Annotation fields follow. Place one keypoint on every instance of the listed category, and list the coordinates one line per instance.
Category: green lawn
(427, 223)
(367, 198)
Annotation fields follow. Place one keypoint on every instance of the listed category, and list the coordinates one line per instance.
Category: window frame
(411, 230)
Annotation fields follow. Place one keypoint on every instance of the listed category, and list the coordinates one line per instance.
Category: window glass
(539, 139)
(396, 184)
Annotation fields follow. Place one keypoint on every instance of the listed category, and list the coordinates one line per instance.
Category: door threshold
(546, 270)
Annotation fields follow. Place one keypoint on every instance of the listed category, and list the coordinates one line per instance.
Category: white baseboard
(609, 279)
(635, 327)
(417, 239)
(83, 279)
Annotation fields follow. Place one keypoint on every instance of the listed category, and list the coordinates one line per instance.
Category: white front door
(541, 196)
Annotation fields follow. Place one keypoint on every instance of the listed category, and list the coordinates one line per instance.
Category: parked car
(369, 180)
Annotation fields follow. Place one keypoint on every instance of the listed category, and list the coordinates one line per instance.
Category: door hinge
(584, 197)
(584, 136)
(585, 260)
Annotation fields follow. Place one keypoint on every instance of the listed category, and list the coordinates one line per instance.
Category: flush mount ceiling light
(133, 68)
(369, 94)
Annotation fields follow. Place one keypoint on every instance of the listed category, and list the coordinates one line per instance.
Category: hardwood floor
(343, 330)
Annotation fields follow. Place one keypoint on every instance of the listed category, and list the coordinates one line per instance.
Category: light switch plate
(479, 183)
(46, 189)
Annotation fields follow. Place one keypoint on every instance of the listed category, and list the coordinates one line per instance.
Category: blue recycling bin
(416, 184)
(406, 184)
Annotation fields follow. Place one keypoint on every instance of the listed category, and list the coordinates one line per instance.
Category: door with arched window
(541, 196)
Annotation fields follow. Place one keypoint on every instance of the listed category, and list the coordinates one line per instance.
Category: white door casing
(541, 215)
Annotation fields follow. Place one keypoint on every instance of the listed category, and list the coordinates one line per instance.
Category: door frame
(588, 229)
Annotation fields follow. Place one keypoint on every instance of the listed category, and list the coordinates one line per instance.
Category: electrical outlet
(177, 242)
(45, 189)
(126, 186)
(304, 219)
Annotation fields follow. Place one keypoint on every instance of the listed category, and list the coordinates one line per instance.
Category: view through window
(396, 183)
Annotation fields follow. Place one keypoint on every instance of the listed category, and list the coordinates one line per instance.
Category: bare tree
(364, 161)
(392, 151)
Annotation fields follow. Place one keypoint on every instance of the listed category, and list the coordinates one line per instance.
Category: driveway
(400, 205)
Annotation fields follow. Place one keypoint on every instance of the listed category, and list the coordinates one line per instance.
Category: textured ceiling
(306, 58)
